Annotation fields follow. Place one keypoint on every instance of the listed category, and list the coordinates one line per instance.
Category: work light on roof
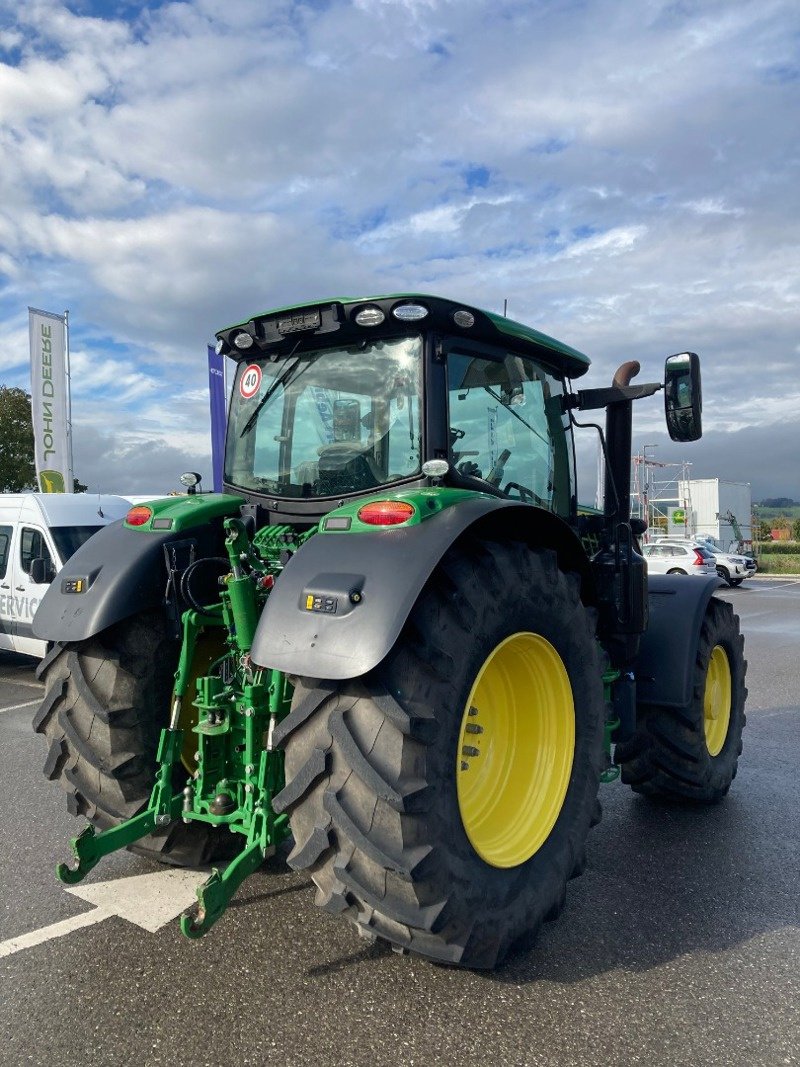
(463, 318)
(370, 316)
(409, 312)
(219, 346)
(243, 340)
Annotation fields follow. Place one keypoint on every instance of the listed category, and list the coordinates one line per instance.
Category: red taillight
(139, 515)
(698, 560)
(386, 513)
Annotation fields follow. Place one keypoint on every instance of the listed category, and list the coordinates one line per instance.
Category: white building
(708, 507)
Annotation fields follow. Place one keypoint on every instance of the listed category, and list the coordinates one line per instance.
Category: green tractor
(395, 640)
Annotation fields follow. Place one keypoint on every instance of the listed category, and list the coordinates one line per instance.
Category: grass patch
(785, 563)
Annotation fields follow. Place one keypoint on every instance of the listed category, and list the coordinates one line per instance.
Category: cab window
(507, 426)
(32, 546)
(5, 544)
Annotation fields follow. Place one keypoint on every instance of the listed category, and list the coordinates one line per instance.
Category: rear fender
(343, 598)
(664, 667)
(120, 571)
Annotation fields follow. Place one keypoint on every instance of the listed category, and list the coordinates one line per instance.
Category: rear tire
(692, 753)
(106, 700)
(373, 764)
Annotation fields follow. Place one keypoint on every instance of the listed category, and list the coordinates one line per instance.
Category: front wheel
(442, 801)
(692, 753)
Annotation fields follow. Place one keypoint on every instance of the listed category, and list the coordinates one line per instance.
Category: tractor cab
(350, 397)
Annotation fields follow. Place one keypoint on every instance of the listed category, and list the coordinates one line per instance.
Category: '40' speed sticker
(250, 381)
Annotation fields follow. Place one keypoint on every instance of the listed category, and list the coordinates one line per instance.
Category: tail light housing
(386, 512)
(699, 561)
(139, 515)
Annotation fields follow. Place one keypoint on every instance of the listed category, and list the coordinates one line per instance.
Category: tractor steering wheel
(525, 493)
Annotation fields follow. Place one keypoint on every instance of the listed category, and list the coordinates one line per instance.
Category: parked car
(732, 567)
(668, 557)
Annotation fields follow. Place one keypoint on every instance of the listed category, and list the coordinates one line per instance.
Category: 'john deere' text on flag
(48, 338)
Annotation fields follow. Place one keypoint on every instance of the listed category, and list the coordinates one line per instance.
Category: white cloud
(624, 175)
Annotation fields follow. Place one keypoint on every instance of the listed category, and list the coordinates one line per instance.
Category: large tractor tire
(442, 801)
(692, 753)
(106, 700)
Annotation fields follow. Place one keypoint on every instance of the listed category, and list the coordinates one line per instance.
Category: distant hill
(777, 502)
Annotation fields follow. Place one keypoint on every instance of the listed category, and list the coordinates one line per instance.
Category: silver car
(665, 557)
(733, 568)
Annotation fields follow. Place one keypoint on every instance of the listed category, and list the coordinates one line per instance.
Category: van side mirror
(683, 399)
(42, 571)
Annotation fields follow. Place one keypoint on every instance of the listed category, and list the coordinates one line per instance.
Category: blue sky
(624, 174)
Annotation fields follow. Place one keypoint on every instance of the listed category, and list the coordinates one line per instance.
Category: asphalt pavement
(680, 944)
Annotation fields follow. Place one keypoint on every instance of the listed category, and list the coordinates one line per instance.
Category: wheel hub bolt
(470, 750)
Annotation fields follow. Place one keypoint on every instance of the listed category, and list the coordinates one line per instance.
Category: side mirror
(683, 399)
(42, 571)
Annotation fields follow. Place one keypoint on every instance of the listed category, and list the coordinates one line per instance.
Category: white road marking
(148, 900)
(47, 933)
(17, 707)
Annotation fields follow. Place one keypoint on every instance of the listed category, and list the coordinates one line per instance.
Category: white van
(47, 527)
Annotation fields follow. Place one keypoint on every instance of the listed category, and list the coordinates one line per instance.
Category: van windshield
(69, 539)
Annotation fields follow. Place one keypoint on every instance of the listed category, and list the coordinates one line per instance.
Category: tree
(17, 463)
(17, 468)
(796, 529)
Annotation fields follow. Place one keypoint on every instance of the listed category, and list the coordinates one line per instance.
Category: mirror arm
(590, 399)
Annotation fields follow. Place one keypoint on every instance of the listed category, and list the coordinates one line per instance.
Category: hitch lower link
(238, 771)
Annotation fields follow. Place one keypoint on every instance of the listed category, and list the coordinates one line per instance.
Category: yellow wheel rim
(515, 750)
(717, 701)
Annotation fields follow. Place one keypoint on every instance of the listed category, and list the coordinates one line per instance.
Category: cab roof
(279, 327)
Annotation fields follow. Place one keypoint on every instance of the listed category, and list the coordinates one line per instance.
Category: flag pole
(71, 487)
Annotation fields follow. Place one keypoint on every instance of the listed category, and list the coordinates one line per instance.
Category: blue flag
(216, 393)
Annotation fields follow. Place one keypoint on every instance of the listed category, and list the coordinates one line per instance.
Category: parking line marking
(150, 901)
(18, 707)
(47, 933)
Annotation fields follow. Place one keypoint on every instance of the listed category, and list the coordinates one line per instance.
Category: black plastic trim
(664, 668)
(126, 574)
(363, 585)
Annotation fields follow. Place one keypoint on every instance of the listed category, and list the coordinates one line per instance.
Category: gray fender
(664, 668)
(122, 573)
(342, 599)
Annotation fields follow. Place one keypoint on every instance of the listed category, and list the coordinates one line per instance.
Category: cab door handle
(20, 588)
(5, 585)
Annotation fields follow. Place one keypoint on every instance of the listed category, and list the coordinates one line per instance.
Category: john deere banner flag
(216, 393)
(49, 391)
